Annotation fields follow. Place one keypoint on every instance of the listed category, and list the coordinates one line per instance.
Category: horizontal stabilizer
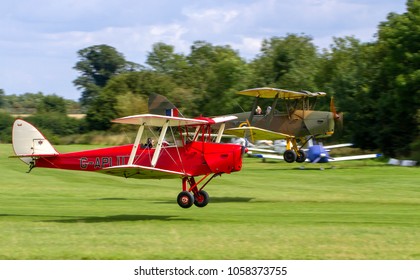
(257, 133)
(141, 172)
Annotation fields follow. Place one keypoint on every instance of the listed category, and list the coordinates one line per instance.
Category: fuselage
(300, 123)
(195, 158)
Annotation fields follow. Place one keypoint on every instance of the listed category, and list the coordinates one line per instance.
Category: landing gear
(301, 156)
(201, 199)
(292, 156)
(185, 199)
(193, 195)
(289, 156)
(293, 153)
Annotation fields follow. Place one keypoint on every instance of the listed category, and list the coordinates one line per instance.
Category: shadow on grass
(99, 219)
(115, 218)
(114, 198)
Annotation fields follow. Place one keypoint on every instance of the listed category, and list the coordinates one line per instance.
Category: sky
(39, 39)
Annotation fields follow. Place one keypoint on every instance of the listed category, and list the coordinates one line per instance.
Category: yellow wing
(266, 92)
(257, 133)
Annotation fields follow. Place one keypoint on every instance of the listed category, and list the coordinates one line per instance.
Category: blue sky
(39, 39)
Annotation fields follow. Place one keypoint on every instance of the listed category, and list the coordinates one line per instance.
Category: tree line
(374, 84)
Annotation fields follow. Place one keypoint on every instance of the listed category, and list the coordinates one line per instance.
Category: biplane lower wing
(367, 156)
(330, 159)
(257, 133)
(141, 172)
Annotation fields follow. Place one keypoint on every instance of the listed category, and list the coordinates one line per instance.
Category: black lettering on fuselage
(84, 163)
(97, 163)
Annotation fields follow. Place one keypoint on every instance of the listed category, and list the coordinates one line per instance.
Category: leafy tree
(215, 73)
(123, 89)
(397, 84)
(346, 72)
(24, 103)
(52, 104)
(287, 62)
(164, 60)
(6, 122)
(56, 123)
(97, 65)
(2, 98)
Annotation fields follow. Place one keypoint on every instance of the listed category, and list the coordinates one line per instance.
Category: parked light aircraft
(316, 153)
(184, 149)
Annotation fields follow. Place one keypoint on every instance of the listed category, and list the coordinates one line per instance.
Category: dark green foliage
(396, 85)
(287, 62)
(57, 124)
(97, 65)
(6, 122)
(52, 104)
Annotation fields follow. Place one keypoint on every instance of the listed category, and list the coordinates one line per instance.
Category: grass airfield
(358, 210)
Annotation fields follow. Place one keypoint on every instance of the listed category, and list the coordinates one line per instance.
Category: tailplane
(28, 142)
(160, 105)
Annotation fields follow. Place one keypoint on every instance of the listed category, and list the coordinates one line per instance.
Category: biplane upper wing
(158, 120)
(223, 119)
(257, 133)
(266, 92)
(141, 172)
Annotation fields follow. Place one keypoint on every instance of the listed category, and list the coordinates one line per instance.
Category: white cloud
(39, 39)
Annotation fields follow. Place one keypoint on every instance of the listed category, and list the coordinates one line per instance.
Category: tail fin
(28, 142)
(160, 105)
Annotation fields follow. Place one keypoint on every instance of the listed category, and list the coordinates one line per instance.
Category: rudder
(28, 140)
(160, 105)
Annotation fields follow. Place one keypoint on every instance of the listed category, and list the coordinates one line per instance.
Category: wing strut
(159, 144)
(273, 107)
(254, 107)
(136, 144)
(220, 133)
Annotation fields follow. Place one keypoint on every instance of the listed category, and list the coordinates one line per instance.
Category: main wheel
(185, 199)
(301, 157)
(289, 156)
(202, 199)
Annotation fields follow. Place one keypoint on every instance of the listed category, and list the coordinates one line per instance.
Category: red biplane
(185, 149)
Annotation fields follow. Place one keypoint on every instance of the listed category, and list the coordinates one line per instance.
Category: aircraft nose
(238, 157)
(228, 159)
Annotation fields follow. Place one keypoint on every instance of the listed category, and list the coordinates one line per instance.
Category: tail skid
(29, 143)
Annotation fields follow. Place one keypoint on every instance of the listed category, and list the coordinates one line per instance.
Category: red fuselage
(195, 158)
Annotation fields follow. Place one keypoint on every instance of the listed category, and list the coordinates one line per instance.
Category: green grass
(359, 210)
